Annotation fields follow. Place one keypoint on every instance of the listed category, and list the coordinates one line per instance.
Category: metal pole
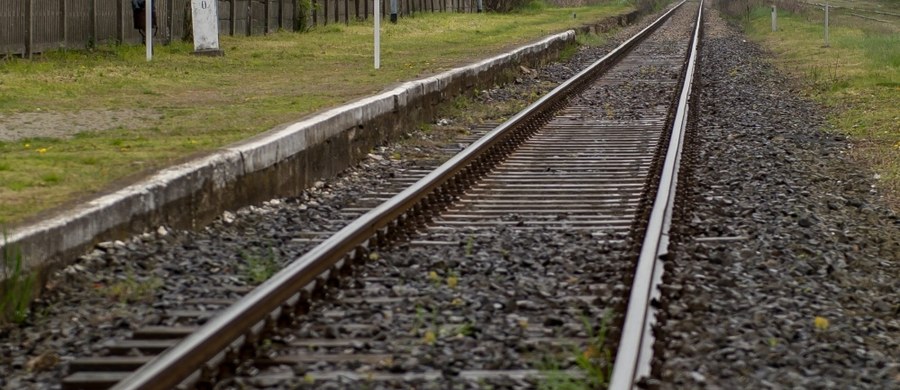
(148, 28)
(377, 34)
(826, 25)
(774, 18)
(393, 11)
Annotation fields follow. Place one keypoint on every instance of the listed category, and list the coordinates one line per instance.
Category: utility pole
(377, 34)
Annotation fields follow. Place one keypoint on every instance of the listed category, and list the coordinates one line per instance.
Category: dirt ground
(65, 124)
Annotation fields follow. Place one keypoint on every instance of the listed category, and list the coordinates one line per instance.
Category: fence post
(826, 24)
(346, 12)
(774, 18)
(62, 23)
(314, 7)
(92, 22)
(29, 28)
(232, 12)
(480, 6)
(120, 22)
(393, 11)
(280, 14)
(296, 12)
(266, 11)
(249, 17)
(170, 20)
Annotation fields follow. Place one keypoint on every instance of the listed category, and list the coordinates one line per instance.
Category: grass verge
(16, 287)
(127, 116)
(857, 77)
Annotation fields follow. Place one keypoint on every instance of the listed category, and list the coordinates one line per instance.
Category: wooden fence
(34, 26)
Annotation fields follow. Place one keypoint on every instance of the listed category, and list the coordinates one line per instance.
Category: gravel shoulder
(787, 267)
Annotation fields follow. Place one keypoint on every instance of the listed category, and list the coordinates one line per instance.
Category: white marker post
(205, 18)
(774, 18)
(377, 34)
(148, 28)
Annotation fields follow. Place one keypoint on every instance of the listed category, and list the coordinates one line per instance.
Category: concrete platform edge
(281, 162)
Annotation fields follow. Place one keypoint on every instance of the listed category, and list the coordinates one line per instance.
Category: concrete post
(377, 34)
(774, 18)
(480, 6)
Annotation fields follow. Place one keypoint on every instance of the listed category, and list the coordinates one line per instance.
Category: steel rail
(635, 352)
(230, 327)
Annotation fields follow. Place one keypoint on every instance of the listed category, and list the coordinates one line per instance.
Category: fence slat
(32, 26)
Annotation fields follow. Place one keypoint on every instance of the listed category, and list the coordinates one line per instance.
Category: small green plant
(132, 289)
(17, 286)
(555, 378)
(304, 7)
(470, 245)
(420, 320)
(465, 329)
(261, 268)
(591, 39)
(594, 361)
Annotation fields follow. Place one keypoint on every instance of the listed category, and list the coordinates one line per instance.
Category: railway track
(491, 269)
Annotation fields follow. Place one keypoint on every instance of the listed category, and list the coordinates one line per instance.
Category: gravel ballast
(783, 230)
(786, 270)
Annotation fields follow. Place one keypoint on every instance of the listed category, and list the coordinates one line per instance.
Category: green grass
(180, 104)
(261, 266)
(857, 76)
(594, 361)
(131, 288)
(16, 286)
